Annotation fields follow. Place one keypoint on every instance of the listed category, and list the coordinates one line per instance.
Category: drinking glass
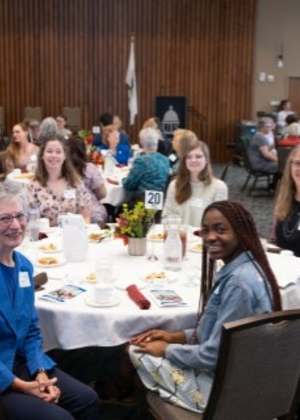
(104, 270)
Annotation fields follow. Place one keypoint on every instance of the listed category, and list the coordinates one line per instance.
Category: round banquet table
(74, 324)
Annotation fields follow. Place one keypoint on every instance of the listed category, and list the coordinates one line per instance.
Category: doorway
(294, 94)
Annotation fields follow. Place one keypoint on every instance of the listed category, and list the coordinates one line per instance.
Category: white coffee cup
(44, 224)
(286, 253)
(103, 293)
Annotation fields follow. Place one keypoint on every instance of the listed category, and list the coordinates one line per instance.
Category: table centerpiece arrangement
(133, 226)
(93, 152)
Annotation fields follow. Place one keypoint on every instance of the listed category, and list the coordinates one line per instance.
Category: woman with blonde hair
(286, 233)
(181, 141)
(20, 152)
(195, 186)
(111, 141)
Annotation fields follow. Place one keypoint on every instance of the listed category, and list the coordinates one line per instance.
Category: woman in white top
(194, 187)
(284, 110)
(21, 152)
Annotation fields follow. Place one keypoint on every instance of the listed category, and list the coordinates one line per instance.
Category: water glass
(104, 270)
(33, 223)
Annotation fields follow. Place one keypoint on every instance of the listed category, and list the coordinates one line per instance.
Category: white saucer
(90, 301)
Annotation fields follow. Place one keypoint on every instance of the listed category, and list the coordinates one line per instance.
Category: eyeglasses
(295, 163)
(6, 219)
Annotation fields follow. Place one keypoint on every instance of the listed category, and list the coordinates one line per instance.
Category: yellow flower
(178, 376)
(198, 397)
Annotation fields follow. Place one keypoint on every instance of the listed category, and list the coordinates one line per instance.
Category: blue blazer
(19, 331)
(123, 138)
(123, 153)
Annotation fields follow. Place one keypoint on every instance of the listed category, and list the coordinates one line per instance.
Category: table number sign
(154, 200)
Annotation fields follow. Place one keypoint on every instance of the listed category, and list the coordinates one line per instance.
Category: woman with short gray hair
(149, 138)
(261, 153)
(150, 170)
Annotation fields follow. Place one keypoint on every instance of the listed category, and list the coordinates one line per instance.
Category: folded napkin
(138, 297)
(42, 235)
(112, 181)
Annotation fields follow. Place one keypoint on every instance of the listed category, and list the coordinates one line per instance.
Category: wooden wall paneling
(75, 53)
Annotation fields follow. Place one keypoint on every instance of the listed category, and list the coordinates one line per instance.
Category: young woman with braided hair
(180, 365)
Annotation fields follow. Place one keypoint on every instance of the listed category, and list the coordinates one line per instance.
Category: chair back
(73, 116)
(258, 369)
(244, 144)
(282, 153)
(34, 113)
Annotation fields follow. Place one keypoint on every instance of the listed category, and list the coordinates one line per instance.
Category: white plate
(152, 237)
(122, 285)
(90, 301)
(195, 248)
(101, 235)
(60, 261)
(49, 251)
(160, 281)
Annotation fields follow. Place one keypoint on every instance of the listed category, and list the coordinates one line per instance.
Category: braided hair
(244, 227)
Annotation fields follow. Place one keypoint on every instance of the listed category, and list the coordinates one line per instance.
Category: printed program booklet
(166, 297)
(63, 294)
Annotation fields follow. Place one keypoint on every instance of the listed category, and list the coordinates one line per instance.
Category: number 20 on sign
(154, 200)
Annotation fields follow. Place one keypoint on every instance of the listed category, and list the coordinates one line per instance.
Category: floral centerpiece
(133, 226)
(92, 151)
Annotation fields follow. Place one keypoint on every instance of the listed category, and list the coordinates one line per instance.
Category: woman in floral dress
(57, 187)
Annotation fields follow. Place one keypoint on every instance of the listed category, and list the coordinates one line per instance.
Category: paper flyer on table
(166, 297)
(63, 294)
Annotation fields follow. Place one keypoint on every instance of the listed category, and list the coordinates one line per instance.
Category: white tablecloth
(116, 194)
(74, 324)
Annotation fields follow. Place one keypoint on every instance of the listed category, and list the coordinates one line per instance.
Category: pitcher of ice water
(75, 240)
(33, 222)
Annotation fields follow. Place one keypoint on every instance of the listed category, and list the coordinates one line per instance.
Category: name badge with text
(24, 279)
(70, 193)
(196, 202)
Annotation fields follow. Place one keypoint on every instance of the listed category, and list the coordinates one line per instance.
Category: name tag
(172, 157)
(70, 193)
(24, 279)
(196, 202)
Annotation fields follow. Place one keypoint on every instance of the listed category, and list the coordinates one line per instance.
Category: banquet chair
(252, 173)
(34, 113)
(257, 373)
(73, 116)
(282, 153)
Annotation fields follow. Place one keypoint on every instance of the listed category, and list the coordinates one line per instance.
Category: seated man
(149, 171)
(105, 120)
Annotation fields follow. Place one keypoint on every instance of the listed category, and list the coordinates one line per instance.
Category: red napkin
(112, 181)
(42, 235)
(138, 297)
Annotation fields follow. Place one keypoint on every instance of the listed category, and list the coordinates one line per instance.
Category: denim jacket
(239, 291)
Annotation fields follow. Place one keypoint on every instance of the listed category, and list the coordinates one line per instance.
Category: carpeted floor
(260, 204)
